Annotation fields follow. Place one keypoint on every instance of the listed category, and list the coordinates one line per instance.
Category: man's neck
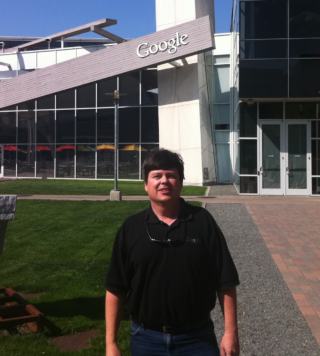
(166, 211)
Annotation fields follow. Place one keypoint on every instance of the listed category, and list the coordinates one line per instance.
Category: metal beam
(107, 34)
(6, 64)
(175, 64)
(184, 61)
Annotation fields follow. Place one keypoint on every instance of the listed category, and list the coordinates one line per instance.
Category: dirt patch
(74, 342)
(31, 296)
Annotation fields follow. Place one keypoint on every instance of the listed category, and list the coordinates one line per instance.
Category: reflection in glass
(9, 108)
(10, 159)
(263, 78)
(305, 48)
(65, 126)
(129, 125)
(301, 110)
(86, 126)
(105, 121)
(149, 125)
(223, 163)
(26, 127)
(304, 18)
(46, 102)
(248, 156)
(297, 153)
(221, 86)
(106, 87)
(45, 160)
(28, 105)
(221, 117)
(45, 127)
(26, 160)
(129, 161)
(8, 127)
(271, 161)
(248, 185)
(86, 161)
(304, 78)
(263, 49)
(65, 161)
(149, 87)
(146, 150)
(248, 120)
(316, 186)
(314, 125)
(86, 96)
(315, 153)
(270, 110)
(129, 85)
(105, 161)
(221, 136)
(66, 99)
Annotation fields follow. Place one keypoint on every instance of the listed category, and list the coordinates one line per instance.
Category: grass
(63, 248)
(79, 187)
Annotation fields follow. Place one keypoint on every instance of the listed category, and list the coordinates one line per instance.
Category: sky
(136, 18)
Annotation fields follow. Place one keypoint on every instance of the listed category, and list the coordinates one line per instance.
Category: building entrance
(1, 161)
(285, 158)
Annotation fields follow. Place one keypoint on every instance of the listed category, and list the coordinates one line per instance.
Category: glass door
(298, 158)
(271, 167)
(1, 161)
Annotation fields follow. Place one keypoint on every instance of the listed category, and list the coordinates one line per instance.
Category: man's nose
(164, 179)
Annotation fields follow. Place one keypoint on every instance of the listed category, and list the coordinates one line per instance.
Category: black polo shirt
(170, 282)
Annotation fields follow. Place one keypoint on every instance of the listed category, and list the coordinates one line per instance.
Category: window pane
(8, 127)
(221, 59)
(149, 87)
(86, 96)
(129, 161)
(248, 120)
(86, 161)
(304, 18)
(105, 163)
(7, 108)
(65, 100)
(263, 78)
(314, 125)
(304, 48)
(248, 185)
(223, 163)
(221, 117)
(248, 156)
(263, 49)
(45, 127)
(28, 105)
(65, 161)
(106, 87)
(316, 186)
(26, 160)
(45, 160)
(10, 152)
(129, 125)
(263, 19)
(220, 136)
(221, 85)
(26, 127)
(271, 110)
(65, 126)
(129, 86)
(46, 102)
(304, 78)
(105, 130)
(301, 110)
(86, 126)
(315, 153)
(146, 150)
(149, 125)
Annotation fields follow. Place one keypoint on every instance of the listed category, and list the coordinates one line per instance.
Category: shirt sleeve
(117, 278)
(225, 271)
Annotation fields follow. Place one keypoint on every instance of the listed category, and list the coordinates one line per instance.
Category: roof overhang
(189, 38)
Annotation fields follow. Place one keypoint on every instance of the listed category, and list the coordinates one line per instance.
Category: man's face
(163, 185)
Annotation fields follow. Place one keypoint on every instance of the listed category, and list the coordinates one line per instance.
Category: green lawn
(79, 187)
(63, 248)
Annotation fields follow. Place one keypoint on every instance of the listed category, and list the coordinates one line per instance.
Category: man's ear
(146, 187)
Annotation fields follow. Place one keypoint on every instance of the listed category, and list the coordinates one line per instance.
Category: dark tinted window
(65, 126)
(271, 110)
(86, 96)
(12, 107)
(45, 127)
(129, 125)
(315, 152)
(316, 186)
(149, 87)
(26, 127)
(301, 110)
(26, 160)
(86, 126)
(129, 87)
(105, 90)
(149, 125)
(248, 156)
(304, 48)
(248, 120)
(263, 78)
(8, 127)
(65, 161)
(46, 102)
(263, 49)
(304, 78)
(263, 19)
(45, 160)
(105, 129)
(65, 99)
(248, 185)
(304, 18)
(28, 105)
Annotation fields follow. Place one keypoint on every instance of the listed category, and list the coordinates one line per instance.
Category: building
(240, 107)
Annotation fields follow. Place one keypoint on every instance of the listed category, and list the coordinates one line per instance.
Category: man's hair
(162, 159)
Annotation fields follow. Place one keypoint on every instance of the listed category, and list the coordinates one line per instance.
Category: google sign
(144, 50)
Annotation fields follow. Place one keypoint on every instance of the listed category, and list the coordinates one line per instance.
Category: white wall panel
(10, 59)
(46, 59)
(64, 55)
(83, 51)
(27, 60)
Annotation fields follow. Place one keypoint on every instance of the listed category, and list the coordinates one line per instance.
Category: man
(167, 265)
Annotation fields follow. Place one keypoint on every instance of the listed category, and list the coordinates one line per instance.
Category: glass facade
(71, 134)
